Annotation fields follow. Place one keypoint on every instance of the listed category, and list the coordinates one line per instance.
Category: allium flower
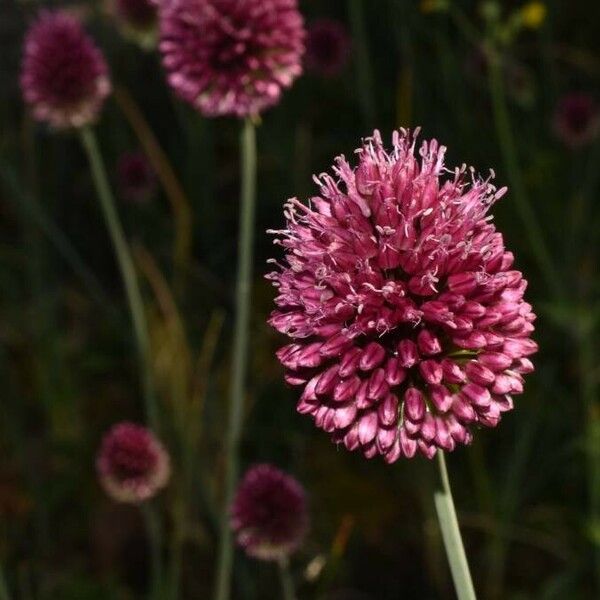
(136, 177)
(576, 119)
(269, 513)
(132, 464)
(327, 47)
(408, 324)
(64, 77)
(231, 57)
(139, 19)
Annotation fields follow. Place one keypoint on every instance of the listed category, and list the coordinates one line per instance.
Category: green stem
(4, 593)
(125, 262)
(287, 582)
(524, 208)
(591, 406)
(364, 71)
(240, 352)
(453, 544)
(153, 530)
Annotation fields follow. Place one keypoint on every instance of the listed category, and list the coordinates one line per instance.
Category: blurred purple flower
(576, 119)
(64, 77)
(135, 177)
(132, 463)
(269, 514)
(231, 57)
(408, 325)
(327, 47)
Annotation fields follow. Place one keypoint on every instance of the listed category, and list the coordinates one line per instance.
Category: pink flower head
(576, 119)
(231, 57)
(132, 463)
(269, 513)
(408, 325)
(138, 19)
(327, 47)
(136, 177)
(64, 77)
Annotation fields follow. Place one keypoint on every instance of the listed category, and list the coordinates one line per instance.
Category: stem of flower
(509, 152)
(4, 593)
(589, 393)
(126, 266)
(136, 308)
(153, 530)
(455, 551)
(240, 351)
(287, 582)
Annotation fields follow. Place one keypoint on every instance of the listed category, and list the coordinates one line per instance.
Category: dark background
(528, 492)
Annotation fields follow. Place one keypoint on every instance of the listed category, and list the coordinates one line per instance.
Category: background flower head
(136, 178)
(64, 77)
(231, 57)
(327, 47)
(408, 324)
(576, 119)
(269, 514)
(132, 463)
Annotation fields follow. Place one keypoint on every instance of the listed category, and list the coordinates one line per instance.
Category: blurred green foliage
(528, 492)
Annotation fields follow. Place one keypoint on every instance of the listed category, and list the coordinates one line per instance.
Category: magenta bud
(428, 343)
(477, 395)
(495, 361)
(346, 389)
(371, 357)
(327, 381)
(517, 348)
(394, 373)
(408, 445)
(394, 453)
(349, 362)
(414, 404)
(452, 373)
(345, 415)
(309, 357)
(477, 373)
(388, 410)
(367, 427)
(428, 427)
(463, 411)
(440, 397)
(378, 387)
(427, 450)
(431, 371)
(407, 353)
(335, 346)
(462, 283)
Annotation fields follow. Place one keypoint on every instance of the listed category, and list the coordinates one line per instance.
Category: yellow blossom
(533, 14)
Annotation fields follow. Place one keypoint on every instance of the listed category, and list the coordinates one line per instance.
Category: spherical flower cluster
(135, 177)
(408, 324)
(327, 47)
(132, 464)
(64, 77)
(576, 119)
(231, 57)
(139, 20)
(269, 513)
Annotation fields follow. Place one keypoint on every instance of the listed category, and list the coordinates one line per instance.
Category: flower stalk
(136, 307)
(126, 266)
(455, 551)
(287, 582)
(240, 350)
